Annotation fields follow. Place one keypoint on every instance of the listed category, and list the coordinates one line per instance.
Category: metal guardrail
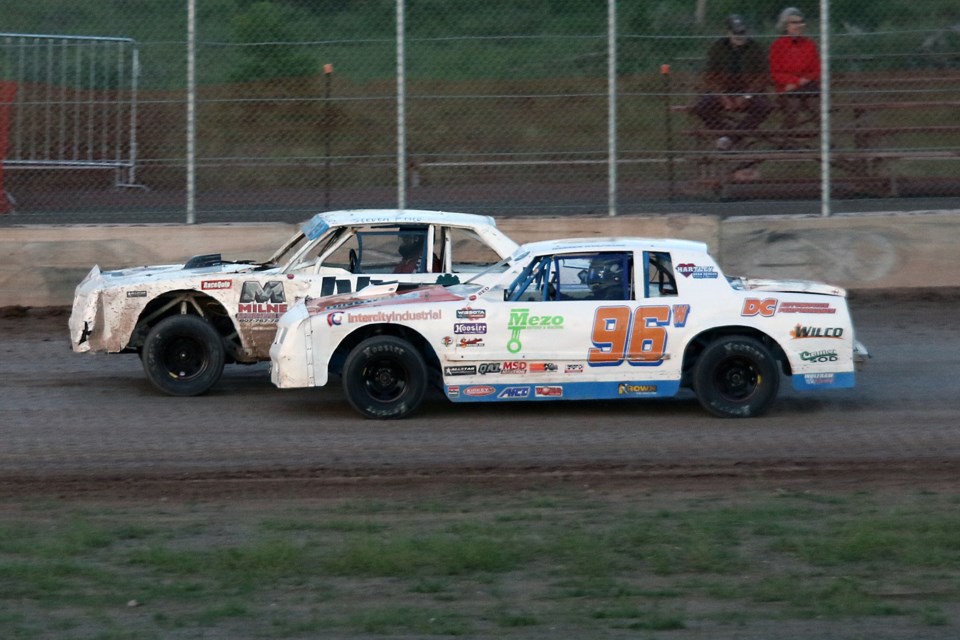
(72, 103)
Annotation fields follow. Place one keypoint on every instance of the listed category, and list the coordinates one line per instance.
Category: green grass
(548, 562)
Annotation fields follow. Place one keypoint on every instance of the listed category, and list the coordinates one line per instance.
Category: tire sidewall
(401, 353)
(175, 327)
(719, 352)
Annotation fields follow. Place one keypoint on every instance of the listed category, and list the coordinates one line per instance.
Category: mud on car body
(187, 320)
(576, 319)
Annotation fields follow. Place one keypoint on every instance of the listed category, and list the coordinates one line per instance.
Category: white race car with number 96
(576, 319)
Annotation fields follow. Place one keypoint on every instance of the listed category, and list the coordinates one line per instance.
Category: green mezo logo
(521, 319)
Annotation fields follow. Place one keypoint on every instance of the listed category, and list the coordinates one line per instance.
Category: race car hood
(102, 289)
(200, 265)
(791, 286)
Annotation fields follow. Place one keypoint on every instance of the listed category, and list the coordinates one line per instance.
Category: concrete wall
(41, 265)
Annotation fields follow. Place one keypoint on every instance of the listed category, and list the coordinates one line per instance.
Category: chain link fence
(506, 108)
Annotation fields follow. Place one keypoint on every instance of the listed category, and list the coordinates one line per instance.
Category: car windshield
(499, 266)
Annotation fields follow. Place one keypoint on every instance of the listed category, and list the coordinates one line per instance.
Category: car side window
(609, 276)
(381, 251)
(469, 254)
(586, 276)
(660, 279)
(340, 259)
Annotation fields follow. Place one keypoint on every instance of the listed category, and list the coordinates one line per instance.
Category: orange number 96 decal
(640, 337)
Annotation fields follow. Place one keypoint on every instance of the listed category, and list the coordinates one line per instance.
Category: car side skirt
(561, 391)
(818, 381)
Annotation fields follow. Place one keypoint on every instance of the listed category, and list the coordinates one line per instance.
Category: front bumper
(86, 315)
(292, 354)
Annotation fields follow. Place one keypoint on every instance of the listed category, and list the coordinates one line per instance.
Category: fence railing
(72, 103)
(529, 108)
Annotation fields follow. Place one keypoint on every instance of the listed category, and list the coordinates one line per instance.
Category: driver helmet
(605, 276)
(411, 245)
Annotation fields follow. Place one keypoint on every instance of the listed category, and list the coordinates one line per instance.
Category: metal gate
(72, 103)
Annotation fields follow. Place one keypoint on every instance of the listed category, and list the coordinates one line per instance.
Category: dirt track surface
(75, 424)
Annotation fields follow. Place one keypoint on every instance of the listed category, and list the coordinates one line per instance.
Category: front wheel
(736, 377)
(385, 377)
(183, 355)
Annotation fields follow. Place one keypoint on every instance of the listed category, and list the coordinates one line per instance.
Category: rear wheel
(183, 355)
(736, 377)
(385, 377)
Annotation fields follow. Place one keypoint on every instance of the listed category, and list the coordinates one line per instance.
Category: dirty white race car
(187, 320)
(576, 319)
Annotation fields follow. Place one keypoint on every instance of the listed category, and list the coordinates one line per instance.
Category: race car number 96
(639, 337)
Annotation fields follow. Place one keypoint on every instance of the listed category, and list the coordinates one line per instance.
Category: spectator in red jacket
(794, 68)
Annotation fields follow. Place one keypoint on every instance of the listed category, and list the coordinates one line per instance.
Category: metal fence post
(612, 107)
(191, 111)
(401, 111)
(825, 178)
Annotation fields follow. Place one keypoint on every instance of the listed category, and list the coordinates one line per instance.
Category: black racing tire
(183, 355)
(385, 377)
(736, 377)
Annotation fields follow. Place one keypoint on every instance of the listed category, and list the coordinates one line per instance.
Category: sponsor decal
(514, 367)
(630, 389)
(453, 391)
(542, 367)
(698, 272)
(470, 327)
(253, 291)
(818, 378)
(468, 313)
(514, 392)
(548, 392)
(807, 307)
(261, 302)
(757, 307)
(460, 370)
(680, 314)
(213, 285)
(393, 316)
(799, 332)
(827, 355)
(136, 294)
(347, 304)
(335, 319)
(330, 285)
(521, 319)
(470, 342)
(489, 367)
(479, 391)
(573, 368)
(257, 312)
(447, 341)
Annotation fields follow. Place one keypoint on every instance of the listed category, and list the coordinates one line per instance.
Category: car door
(592, 325)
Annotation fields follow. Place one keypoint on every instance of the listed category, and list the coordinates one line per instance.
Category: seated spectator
(735, 79)
(795, 68)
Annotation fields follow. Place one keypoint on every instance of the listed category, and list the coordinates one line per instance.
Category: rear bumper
(860, 354)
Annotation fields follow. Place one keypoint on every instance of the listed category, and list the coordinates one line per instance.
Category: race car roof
(575, 245)
(397, 216)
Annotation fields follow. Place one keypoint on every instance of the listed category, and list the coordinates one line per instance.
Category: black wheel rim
(385, 379)
(184, 358)
(737, 379)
